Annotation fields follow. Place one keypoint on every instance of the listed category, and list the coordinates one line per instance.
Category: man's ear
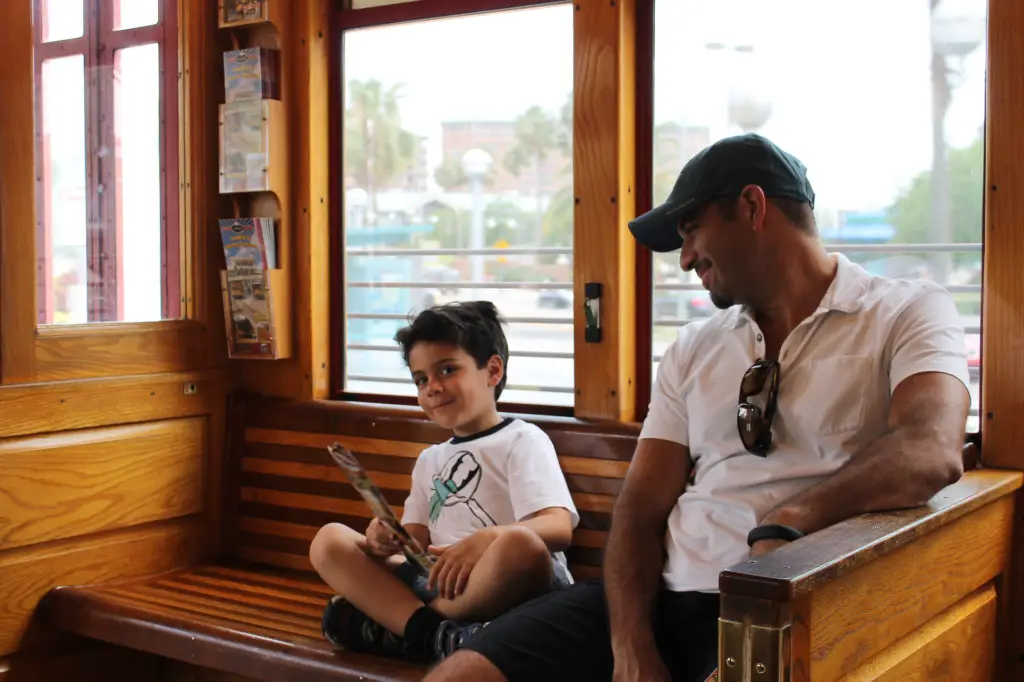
(495, 370)
(752, 206)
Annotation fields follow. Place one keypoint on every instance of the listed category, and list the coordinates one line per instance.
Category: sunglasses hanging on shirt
(753, 422)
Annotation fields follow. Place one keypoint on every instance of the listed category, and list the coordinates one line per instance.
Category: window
(107, 237)
(458, 186)
(883, 101)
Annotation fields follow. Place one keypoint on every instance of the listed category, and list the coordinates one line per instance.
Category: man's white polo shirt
(838, 370)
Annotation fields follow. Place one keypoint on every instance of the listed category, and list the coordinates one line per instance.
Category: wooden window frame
(33, 353)
(602, 179)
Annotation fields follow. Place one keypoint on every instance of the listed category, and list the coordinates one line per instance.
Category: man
(852, 398)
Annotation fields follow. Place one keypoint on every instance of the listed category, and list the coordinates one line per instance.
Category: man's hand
(641, 666)
(451, 571)
(380, 542)
(764, 546)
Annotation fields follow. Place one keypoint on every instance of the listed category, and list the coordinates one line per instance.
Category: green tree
(537, 135)
(910, 214)
(377, 147)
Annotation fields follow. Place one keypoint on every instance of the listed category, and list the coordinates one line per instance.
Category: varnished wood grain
(76, 353)
(17, 193)
(27, 409)
(28, 573)
(395, 447)
(800, 567)
(854, 616)
(1003, 292)
(252, 630)
(386, 421)
(1002, 373)
(67, 484)
(955, 646)
(311, 148)
(603, 174)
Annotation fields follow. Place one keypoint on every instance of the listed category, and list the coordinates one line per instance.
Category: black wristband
(773, 531)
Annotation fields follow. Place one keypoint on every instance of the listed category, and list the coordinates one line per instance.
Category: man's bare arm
(918, 457)
(635, 553)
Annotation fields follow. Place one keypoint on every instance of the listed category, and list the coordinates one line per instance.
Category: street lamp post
(750, 100)
(475, 164)
(955, 33)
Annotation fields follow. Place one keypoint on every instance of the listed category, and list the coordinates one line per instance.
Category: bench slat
(238, 630)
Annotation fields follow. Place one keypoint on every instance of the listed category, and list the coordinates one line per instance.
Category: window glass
(883, 101)
(458, 186)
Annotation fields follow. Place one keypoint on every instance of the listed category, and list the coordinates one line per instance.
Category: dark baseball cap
(719, 171)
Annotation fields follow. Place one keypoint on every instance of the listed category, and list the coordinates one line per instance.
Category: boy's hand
(379, 540)
(455, 562)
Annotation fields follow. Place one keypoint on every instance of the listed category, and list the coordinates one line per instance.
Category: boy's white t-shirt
(494, 478)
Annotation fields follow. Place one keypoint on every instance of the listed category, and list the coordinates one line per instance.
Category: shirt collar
(845, 294)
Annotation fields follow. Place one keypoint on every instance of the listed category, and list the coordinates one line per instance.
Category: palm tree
(377, 148)
(537, 134)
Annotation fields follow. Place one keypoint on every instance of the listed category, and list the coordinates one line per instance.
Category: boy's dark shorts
(417, 581)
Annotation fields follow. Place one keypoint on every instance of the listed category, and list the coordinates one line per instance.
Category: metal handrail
(535, 286)
(510, 251)
(508, 387)
(509, 320)
(839, 247)
(512, 353)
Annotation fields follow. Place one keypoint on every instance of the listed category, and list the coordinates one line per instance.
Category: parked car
(682, 305)
(554, 298)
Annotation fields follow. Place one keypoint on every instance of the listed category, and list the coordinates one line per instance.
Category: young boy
(491, 504)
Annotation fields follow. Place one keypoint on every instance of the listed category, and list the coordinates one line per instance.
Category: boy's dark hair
(473, 326)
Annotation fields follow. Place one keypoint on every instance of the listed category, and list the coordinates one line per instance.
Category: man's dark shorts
(417, 581)
(564, 636)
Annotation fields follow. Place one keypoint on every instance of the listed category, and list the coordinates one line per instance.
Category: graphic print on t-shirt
(456, 483)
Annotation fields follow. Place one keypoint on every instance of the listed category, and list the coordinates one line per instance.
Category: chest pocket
(829, 396)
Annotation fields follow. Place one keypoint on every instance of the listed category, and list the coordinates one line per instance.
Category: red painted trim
(44, 186)
(425, 9)
(62, 48)
(94, 139)
(115, 40)
(644, 197)
(108, 303)
(171, 214)
(336, 237)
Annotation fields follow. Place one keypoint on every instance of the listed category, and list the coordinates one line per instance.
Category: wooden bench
(815, 607)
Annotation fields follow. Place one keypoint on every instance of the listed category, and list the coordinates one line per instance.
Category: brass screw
(730, 662)
(759, 668)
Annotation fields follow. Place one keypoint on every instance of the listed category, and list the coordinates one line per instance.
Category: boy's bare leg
(336, 554)
(514, 568)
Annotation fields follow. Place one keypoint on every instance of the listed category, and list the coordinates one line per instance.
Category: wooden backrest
(281, 485)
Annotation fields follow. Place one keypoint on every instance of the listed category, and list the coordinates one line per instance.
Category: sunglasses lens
(755, 378)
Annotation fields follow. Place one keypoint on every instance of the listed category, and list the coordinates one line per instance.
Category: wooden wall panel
(958, 645)
(67, 484)
(28, 573)
(884, 601)
(49, 407)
